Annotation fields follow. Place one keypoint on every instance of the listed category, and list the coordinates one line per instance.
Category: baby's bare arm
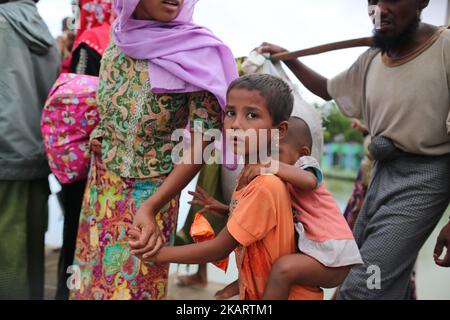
(301, 180)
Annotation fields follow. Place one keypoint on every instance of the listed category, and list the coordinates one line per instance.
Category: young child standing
(260, 227)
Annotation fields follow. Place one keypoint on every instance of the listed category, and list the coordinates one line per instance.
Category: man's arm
(313, 81)
(208, 251)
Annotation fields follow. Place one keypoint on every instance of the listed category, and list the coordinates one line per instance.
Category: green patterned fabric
(136, 125)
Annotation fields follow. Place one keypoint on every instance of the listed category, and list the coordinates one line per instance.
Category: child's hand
(202, 198)
(145, 234)
(251, 171)
(134, 234)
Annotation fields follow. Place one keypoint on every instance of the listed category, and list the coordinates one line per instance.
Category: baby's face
(288, 154)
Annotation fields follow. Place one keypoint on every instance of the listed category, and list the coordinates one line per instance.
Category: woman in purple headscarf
(161, 72)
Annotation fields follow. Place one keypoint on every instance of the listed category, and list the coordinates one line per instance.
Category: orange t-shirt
(261, 220)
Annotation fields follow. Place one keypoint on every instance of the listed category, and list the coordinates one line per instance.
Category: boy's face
(246, 114)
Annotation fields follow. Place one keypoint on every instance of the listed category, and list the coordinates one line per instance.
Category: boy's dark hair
(278, 94)
(299, 134)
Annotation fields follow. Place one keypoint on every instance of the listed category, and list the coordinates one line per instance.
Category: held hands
(203, 199)
(443, 241)
(134, 234)
(145, 235)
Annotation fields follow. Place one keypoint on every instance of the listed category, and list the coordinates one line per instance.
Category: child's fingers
(244, 176)
(215, 211)
(141, 252)
(249, 176)
(148, 247)
(196, 195)
(211, 208)
(134, 234)
(203, 194)
(135, 229)
(196, 203)
(158, 245)
(202, 191)
(142, 240)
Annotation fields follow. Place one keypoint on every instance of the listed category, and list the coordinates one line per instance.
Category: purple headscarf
(182, 56)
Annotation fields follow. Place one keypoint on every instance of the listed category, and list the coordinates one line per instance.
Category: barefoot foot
(228, 292)
(194, 280)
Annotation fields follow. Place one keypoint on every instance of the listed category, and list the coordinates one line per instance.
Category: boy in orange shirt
(326, 247)
(260, 228)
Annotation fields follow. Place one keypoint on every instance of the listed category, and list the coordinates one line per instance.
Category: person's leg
(400, 212)
(37, 212)
(389, 260)
(71, 197)
(302, 270)
(13, 240)
(228, 292)
(200, 278)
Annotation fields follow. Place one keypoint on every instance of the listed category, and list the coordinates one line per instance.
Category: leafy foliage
(337, 127)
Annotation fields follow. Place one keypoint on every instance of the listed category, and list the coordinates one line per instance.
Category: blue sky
(294, 24)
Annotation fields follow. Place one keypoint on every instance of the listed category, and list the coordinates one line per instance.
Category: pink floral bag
(70, 115)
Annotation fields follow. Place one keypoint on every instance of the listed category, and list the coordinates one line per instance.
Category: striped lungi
(406, 198)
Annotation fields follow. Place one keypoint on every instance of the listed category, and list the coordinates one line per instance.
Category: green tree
(338, 127)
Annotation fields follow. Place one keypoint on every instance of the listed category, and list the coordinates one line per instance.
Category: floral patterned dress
(135, 131)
